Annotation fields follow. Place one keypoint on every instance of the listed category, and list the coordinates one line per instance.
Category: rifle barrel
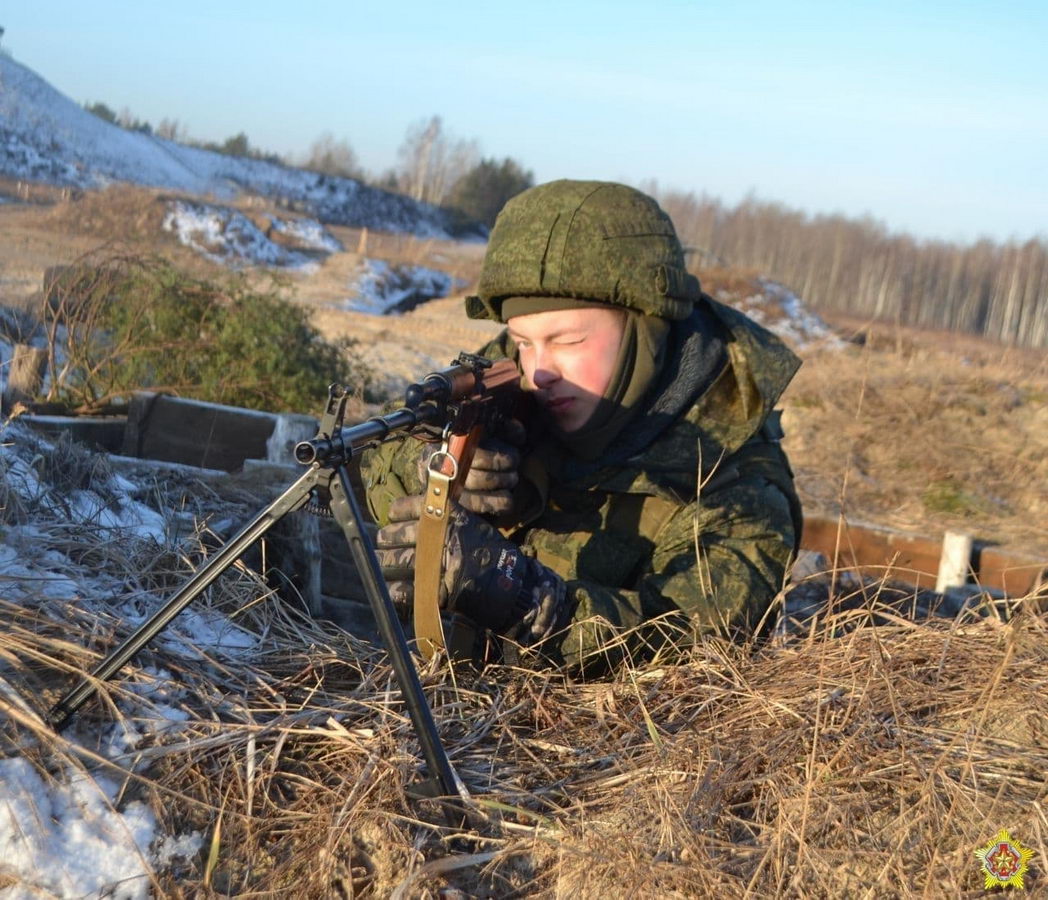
(339, 446)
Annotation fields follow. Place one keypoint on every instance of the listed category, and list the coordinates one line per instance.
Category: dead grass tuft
(734, 282)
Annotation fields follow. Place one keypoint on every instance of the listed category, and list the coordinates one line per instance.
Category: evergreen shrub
(127, 323)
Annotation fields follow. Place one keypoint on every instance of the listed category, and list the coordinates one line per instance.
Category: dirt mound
(119, 213)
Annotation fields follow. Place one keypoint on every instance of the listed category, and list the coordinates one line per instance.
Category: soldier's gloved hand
(489, 488)
(485, 576)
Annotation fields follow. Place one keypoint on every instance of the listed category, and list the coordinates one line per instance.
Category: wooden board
(915, 558)
(206, 434)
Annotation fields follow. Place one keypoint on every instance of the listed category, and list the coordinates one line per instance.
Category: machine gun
(461, 401)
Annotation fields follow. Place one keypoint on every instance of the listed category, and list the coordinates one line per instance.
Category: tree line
(855, 265)
(172, 130)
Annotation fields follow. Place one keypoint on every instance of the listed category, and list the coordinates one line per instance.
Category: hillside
(47, 138)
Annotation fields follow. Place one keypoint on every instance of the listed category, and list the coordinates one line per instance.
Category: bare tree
(430, 162)
(172, 130)
(416, 154)
(331, 156)
(127, 119)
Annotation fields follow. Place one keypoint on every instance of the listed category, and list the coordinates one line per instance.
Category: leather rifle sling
(429, 551)
(446, 475)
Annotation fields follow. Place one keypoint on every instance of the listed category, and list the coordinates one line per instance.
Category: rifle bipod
(327, 456)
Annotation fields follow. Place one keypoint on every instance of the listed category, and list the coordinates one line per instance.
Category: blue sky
(931, 117)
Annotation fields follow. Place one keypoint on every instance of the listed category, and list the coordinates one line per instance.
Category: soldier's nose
(543, 378)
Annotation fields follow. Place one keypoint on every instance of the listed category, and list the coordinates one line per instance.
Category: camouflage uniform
(689, 517)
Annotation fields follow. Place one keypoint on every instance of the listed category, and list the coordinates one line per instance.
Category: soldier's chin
(572, 419)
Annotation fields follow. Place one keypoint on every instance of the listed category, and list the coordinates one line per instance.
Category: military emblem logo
(1004, 861)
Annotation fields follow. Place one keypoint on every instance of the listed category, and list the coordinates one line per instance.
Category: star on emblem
(1003, 861)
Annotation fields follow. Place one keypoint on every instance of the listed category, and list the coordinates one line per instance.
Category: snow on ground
(781, 311)
(307, 233)
(380, 288)
(226, 235)
(62, 832)
(45, 136)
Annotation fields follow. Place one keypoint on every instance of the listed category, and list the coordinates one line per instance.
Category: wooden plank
(1016, 575)
(876, 551)
(209, 435)
(915, 558)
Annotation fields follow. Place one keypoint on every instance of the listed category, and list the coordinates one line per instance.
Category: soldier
(649, 488)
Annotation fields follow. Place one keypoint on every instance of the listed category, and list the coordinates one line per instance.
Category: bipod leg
(293, 498)
(442, 782)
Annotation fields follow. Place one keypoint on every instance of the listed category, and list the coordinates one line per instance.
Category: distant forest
(856, 266)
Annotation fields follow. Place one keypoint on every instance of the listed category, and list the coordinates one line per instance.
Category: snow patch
(225, 235)
(64, 837)
(62, 832)
(288, 430)
(307, 233)
(381, 288)
(781, 311)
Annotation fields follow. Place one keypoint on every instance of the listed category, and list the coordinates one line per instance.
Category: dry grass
(925, 432)
(17, 191)
(852, 761)
(728, 281)
(121, 212)
(59, 227)
(460, 260)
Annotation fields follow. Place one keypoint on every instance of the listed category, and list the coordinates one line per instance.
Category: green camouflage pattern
(591, 240)
(694, 535)
(643, 571)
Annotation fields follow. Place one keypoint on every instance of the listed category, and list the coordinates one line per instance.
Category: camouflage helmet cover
(589, 240)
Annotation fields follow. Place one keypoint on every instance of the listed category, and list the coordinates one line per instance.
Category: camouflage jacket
(686, 524)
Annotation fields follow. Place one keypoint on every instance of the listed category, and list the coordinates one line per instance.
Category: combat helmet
(588, 240)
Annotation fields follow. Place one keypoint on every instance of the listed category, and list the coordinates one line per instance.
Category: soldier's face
(568, 357)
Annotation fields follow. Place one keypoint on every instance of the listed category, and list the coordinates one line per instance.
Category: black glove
(485, 576)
